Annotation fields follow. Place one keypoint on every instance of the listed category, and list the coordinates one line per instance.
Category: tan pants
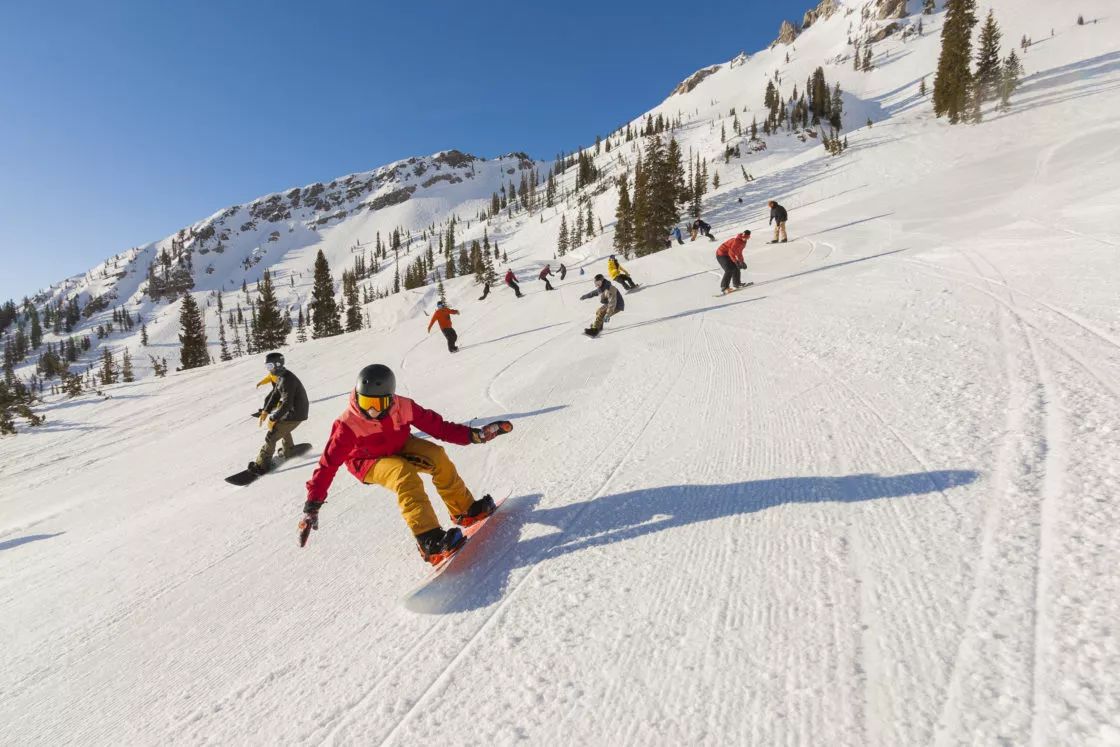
(401, 474)
(780, 228)
(279, 433)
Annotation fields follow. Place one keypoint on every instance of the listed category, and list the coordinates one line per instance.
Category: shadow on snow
(481, 575)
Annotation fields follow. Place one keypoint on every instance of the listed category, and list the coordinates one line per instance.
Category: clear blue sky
(121, 122)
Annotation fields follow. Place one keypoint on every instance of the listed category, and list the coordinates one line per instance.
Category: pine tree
(836, 109)
(562, 237)
(223, 346)
(301, 328)
(867, 58)
(954, 79)
(715, 180)
(590, 221)
(271, 326)
(922, 87)
(192, 335)
(324, 309)
(624, 219)
(127, 374)
(353, 309)
(108, 374)
(1009, 79)
(987, 76)
(442, 295)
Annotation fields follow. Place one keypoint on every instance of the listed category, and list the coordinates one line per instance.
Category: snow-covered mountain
(870, 500)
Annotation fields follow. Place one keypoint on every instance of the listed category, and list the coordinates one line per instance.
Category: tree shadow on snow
(9, 544)
(481, 575)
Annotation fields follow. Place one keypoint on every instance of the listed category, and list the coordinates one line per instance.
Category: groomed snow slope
(870, 500)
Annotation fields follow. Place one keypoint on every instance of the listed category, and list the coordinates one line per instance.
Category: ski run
(873, 499)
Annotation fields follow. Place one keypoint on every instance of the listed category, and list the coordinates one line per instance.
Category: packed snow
(871, 499)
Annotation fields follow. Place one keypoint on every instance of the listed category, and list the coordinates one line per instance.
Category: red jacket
(544, 273)
(358, 440)
(732, 248)
(510, 276)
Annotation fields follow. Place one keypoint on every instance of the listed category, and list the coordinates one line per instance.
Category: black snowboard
(245, 477)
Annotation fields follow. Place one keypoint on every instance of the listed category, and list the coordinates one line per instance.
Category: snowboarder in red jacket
(544, 276)
(373, 438)
(511, 281)
(730, 258)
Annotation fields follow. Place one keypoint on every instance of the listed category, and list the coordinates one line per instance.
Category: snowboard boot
(258, 469)
(783, 241)
(478, 511)
(775, 241)
(591, 331)
(436, 545)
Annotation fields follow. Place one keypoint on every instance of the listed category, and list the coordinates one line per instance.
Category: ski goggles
(273, 367)
(375, 404)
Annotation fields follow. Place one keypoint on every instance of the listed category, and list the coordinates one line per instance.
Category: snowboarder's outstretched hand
(309, 521)
(490, 431)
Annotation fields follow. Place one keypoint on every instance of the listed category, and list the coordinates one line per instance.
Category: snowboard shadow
(483, 576)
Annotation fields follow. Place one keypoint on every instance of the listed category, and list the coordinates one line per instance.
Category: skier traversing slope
(544, 276)
(615, 270)
(610, 303)
(284, 408)
(511, 281)
(373, 438)
(779, 214)
(442, 314)
(703, 229)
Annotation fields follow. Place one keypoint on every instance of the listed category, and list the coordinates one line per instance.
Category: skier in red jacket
(373, 438)
(730, 258)
(511, 281)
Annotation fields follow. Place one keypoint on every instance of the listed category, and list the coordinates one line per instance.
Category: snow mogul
(373, 438)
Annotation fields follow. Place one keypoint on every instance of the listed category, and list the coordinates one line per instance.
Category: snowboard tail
(245, 477)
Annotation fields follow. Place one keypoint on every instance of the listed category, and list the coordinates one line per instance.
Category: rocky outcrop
(395, 197)
(454, 158)
(819, 13)
(887, 9)
(739, 59)
(694, 80)
(787, 32)
(883, 33)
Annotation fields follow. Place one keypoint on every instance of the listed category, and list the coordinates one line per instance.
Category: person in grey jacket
(284, 408)
(610, 303)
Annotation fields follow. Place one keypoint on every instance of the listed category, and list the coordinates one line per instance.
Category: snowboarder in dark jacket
(610, 303)
(563, 271)
(511, 281)
(702, 228)
(284, 409)
(373, 438)
(485, 291)
(778, 216)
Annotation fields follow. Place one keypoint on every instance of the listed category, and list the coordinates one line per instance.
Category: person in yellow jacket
(616, 271)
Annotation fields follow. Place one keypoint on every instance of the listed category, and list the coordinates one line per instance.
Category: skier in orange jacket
(443, 316)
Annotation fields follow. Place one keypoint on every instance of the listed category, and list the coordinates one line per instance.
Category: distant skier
(563, 272)
(610, 303)
(582, 271)
(284, 408)
(730, 258)
(485, 291)
(511, 281)
(544, 276)
(615, 270)
(442, 315)
(676, 233)
(703, 229)
(373, 438)
(778, 214)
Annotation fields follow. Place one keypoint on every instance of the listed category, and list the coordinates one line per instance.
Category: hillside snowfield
(871, 500)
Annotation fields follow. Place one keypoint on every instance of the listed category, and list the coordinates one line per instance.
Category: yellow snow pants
(401, 474)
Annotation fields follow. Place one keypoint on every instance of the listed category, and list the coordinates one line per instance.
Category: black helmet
(376, 380)
(599, 278)
(375, 389)
(274, 361)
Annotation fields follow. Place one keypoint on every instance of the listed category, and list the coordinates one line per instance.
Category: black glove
(490, 431)
(742, 265)
(309, 521)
